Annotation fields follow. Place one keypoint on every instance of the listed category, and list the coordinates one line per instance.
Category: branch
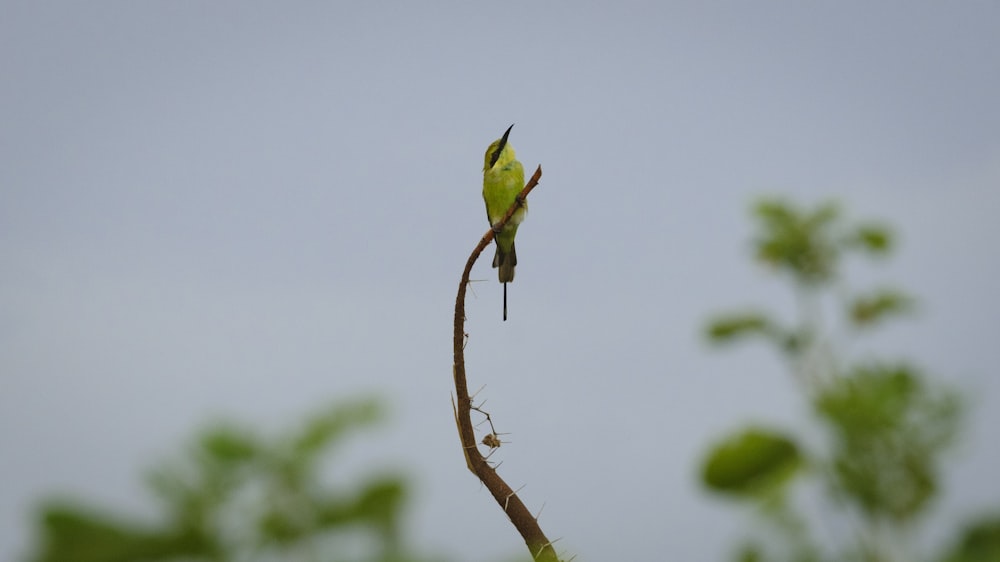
(539, 546)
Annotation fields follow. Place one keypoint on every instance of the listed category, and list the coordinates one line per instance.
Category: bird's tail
(505, 261)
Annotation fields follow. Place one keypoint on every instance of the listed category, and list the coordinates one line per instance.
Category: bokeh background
(249, 209)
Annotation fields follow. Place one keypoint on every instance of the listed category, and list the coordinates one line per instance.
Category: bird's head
(499, 152)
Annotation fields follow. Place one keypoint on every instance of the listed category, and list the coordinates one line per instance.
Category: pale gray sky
(247, 209)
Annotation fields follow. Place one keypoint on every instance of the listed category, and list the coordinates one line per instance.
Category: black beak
(503, 143)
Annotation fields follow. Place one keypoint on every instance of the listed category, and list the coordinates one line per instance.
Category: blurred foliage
(734, 326)
(889, 426)
(808, 244)
(980, 541)
(799, 242)
(866, 310)
(754, 462)
(239, 496)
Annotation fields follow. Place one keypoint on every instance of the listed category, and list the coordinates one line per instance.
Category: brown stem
(525, 523)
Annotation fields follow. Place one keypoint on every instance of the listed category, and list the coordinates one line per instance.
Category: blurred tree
(238, 496)
(888, 425)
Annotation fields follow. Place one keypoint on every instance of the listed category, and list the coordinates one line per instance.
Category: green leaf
(756, 461)
(869, 309)
(873, 238)
(979, 542)
(730, 327)
(228, 443)
(381, 502)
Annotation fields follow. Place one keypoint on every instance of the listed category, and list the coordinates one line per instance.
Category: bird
(503, 179)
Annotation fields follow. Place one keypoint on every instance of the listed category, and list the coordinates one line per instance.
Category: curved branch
(525, 523)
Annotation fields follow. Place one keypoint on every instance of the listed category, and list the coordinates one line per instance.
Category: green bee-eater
(503, 179)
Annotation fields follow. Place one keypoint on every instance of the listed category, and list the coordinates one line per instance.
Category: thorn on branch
(539, 514)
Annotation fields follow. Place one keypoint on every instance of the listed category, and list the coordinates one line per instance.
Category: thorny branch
(525, 523)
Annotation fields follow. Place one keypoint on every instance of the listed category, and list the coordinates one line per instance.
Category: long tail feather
(504, 302)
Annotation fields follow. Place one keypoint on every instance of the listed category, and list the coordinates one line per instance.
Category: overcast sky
(242, 209)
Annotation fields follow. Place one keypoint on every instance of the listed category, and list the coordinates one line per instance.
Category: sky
(248, 210)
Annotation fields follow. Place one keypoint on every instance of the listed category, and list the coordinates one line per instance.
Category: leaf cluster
(237, 495)
(889, 427)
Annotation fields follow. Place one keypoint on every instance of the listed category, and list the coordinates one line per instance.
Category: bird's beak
(503, 143)
(503, 139)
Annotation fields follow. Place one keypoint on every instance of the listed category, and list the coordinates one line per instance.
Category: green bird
(503, 179)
